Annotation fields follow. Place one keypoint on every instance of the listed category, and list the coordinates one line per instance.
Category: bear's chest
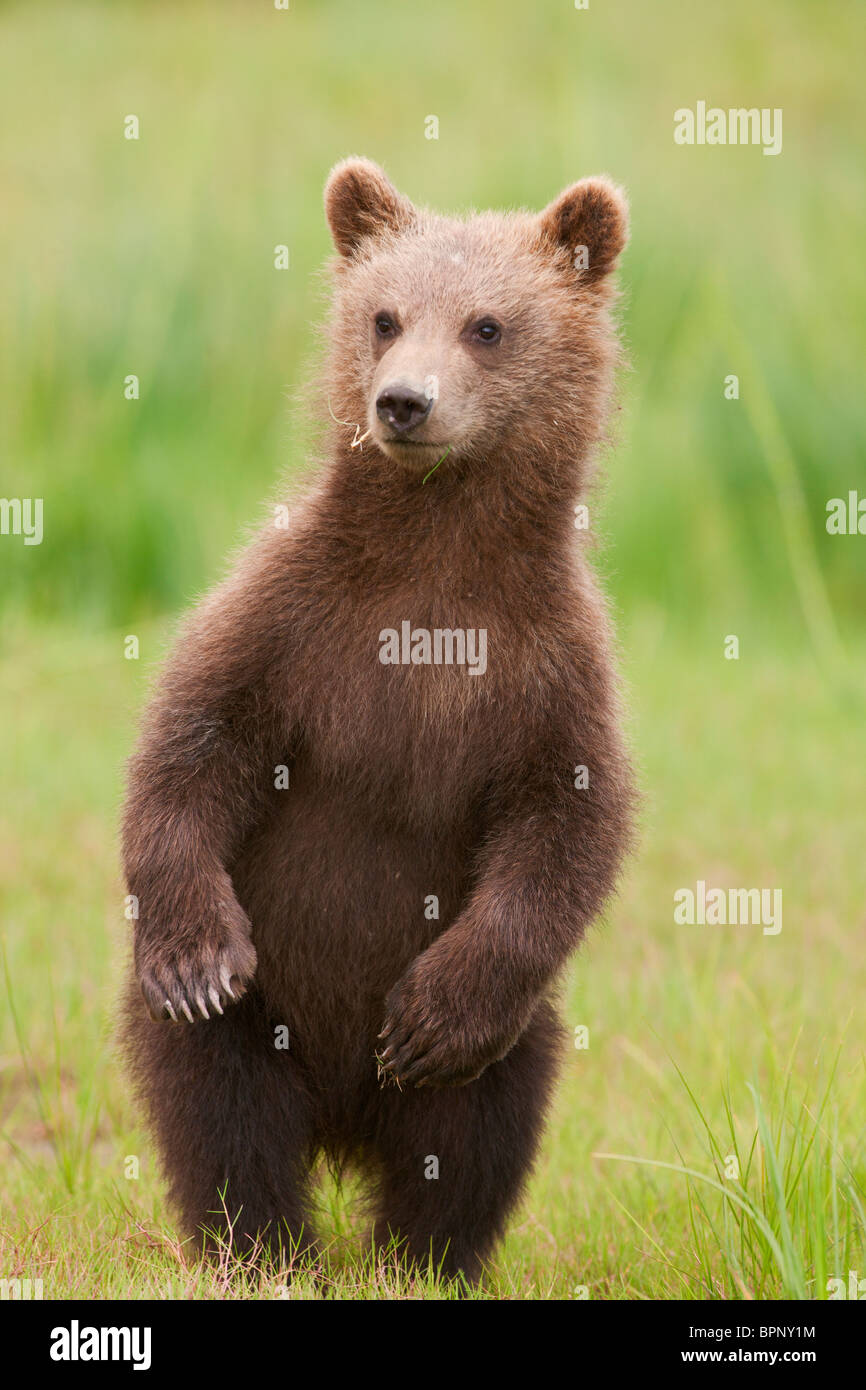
(410, 704)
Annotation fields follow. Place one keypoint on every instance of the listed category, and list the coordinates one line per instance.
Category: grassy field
(698, 1035)
(155, 257)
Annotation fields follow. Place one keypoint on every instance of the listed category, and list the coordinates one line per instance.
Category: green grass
(704, 1042)
(155, 257)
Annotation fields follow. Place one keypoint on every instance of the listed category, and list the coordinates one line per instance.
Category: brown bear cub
(381, 789)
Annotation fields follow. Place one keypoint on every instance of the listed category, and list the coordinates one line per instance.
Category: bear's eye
(385, 326)
(486, 331)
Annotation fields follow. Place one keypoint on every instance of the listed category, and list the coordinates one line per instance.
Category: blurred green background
(156, 258)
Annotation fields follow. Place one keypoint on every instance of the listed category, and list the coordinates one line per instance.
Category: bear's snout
(403, 408)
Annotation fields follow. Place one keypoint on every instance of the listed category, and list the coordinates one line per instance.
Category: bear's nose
(402, 408)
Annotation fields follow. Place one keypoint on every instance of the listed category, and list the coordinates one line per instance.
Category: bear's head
(483, 337)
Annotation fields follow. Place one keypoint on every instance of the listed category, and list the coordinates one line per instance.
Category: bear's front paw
(196, 979)
(429, 1039)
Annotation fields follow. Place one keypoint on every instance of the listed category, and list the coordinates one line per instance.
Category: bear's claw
(197, 988)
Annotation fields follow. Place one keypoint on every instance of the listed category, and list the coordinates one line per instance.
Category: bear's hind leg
(232, 1119)
(453, 1161)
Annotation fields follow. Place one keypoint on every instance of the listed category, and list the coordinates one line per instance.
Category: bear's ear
(360, 202)
(589, 219)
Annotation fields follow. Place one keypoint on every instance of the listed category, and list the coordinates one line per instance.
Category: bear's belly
(342, 895)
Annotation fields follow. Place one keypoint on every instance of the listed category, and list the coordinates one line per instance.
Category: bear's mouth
(413, 443)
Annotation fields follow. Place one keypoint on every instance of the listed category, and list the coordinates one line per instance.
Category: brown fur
(406, 780)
